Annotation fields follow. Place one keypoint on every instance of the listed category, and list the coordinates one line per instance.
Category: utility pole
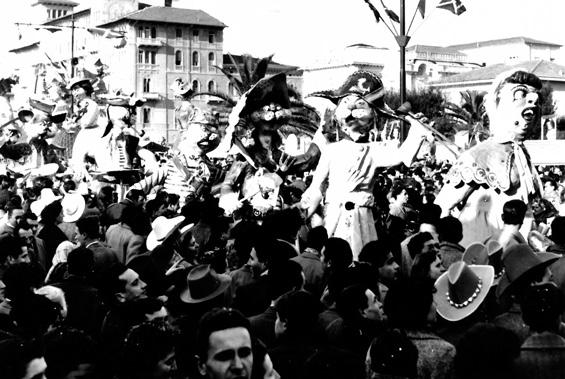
(402, 39)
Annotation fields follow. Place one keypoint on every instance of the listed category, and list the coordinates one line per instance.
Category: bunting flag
(454, 6)
(422, 7)
(374, 10)
(106, 33)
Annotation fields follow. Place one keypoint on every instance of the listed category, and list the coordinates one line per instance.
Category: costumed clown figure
(350, 164)
(188, 171)
(255, 176)
(87, 123)
(124, 138)
(498, 169)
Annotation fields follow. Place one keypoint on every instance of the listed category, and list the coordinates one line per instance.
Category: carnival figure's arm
(229, 197)
(451, 197)
(409, 149)
(313, 195)
(90, 116)
(156, 179)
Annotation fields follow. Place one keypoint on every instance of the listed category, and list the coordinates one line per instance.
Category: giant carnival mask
(201, 135)
(354, 115)
(358, 102)
(515, 109)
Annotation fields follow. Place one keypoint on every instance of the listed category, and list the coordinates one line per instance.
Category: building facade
(509, 50)
(161, 45)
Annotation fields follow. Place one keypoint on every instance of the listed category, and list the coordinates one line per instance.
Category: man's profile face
(134, 286)
(229, 355)
(390, 270)
(518, 111)
(16, 217)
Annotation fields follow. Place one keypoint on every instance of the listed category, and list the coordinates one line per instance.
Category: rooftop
(172, 16)
(434, 49)
(545, 70)
(503, 41)
(56, 2)
(273, 66)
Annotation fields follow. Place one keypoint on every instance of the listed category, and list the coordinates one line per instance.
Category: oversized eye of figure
(520, 93)
(361, 104)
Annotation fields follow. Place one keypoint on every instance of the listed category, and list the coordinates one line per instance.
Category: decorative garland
(469, 300)
(271, 112)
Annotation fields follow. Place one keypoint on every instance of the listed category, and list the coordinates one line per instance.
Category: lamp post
(402, 39)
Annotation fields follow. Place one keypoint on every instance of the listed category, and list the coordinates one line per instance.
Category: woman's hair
(50, 213)
(337, 251)
(421, 266)
(146, 345)
(86, 86)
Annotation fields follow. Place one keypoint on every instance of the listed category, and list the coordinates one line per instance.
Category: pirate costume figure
(350, 164)
(498, 169)
(88, 124)
(257, 172)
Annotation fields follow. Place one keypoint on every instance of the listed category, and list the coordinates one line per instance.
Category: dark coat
(542, 356)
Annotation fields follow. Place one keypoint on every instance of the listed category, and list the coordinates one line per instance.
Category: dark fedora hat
(519, 261)
(202, 284)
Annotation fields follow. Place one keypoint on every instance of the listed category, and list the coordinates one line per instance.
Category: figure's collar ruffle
(488, 164)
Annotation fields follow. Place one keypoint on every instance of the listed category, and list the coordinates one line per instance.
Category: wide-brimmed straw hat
(162, 228)
(46, 197)
(78, 81)
(520, 260)
(73, 207)
(203, 283)
(462, 289)
(476, 254)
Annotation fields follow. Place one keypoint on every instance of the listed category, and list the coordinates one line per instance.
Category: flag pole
(402, 40)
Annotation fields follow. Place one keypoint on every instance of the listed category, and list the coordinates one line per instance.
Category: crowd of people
(352, 260)
(144, 289)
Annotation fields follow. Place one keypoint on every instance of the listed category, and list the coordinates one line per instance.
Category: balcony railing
(154, 42)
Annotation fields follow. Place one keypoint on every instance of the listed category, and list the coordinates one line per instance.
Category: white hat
(46, 197)
(461, 289)
(73, 207)
(162, 228)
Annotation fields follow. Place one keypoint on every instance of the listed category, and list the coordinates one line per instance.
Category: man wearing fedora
(350, 164)
(203, 290)
(224, 345)
(542, 355)
(522, 269)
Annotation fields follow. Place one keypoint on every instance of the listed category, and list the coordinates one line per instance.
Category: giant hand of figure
(229, 202)
(285, 162)
(310, 200)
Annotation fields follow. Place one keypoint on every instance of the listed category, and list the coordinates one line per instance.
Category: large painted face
(355, 116)
(517, 112)
(118, 115)
(200, 139)
(78, 93)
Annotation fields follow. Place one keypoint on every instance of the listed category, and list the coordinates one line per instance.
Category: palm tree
(469, 117)
(304, 119)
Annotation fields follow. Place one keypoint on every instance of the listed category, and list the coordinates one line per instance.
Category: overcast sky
(299, 32)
